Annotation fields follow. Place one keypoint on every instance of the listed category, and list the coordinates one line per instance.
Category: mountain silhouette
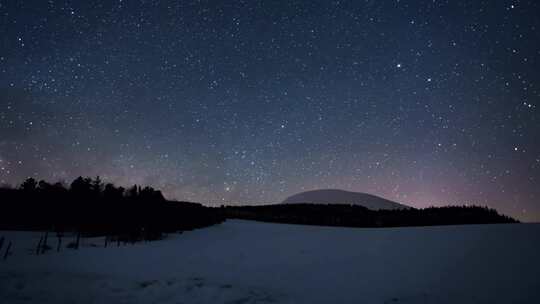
(336, 196)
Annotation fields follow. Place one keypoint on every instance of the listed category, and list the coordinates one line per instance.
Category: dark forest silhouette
(91, 208)
(359, 216)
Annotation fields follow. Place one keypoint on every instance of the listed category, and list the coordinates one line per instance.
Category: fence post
(7, 250)
(59, 235)
(39, 245)
(44, 245)
(78, 240)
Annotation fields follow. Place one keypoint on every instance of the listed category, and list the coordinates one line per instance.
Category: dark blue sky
(423, 102)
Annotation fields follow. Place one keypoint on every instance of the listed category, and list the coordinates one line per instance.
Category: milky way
(422, 102)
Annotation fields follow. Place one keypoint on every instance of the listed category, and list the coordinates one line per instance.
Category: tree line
(359, 216)
(91, 207)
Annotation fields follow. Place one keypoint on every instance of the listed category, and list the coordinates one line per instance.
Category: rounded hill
(336, 196)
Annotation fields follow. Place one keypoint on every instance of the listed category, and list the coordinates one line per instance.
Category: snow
(252, 262)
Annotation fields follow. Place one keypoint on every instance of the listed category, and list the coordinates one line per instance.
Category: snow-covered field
(250, 262)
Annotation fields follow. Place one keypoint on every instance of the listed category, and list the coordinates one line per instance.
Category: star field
(423, 102)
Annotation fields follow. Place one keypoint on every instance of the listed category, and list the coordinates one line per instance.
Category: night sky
(422, 102)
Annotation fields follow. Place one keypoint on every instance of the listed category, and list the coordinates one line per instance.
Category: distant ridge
(336, 196)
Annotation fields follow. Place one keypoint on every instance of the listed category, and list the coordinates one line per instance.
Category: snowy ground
(248, 262)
